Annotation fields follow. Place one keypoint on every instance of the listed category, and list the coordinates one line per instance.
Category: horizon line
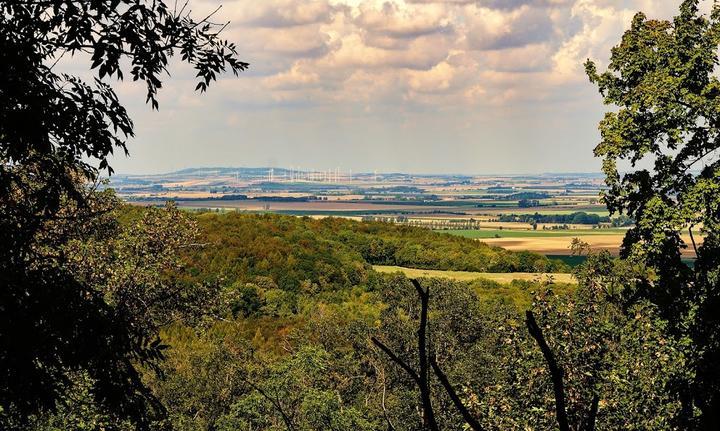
(360, 172)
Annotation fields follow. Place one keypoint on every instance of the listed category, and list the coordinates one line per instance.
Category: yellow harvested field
(468, 276)
(556, 245)
(561, 245)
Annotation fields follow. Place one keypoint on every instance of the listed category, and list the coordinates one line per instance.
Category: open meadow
(502, 278)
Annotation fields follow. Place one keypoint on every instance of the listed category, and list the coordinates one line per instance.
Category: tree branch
(592, 416)
(421, 378)
(391, 426)
(397, 360)
(469, 419)
(692, 238)
(428, 414)
(275, 403)
(556, 372)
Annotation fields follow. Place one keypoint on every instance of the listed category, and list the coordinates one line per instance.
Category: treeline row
(573, 218)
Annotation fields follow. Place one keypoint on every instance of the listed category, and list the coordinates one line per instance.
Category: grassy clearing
(503, 278)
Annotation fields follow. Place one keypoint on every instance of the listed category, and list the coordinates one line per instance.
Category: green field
(504, 278)
(507, 233)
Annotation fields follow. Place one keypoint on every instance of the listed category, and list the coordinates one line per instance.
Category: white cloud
(400, 50)
(341, 70)
(278, 13)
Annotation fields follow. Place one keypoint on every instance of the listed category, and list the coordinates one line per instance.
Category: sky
(418, 86)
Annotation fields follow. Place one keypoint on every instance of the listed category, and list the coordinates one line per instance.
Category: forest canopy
(333, 253)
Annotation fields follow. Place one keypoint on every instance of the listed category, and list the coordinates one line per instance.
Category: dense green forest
(331, 253)
(278, 312)
(277, 316)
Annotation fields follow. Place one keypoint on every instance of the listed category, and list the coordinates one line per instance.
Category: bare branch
(590, 425)
(397, 360)
(274, 402)
(428, 414)
(692, 238)
(391, 426)
(556, 372)
(469, 419)
(205, 20)
(421, 377)
(421, 292)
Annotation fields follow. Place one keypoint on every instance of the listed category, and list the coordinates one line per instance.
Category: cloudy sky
(441, 86)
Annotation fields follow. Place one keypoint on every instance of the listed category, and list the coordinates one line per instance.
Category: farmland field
(556, 242)
(477, 207)
(558, 245)
(508, 233)
(503, 278)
